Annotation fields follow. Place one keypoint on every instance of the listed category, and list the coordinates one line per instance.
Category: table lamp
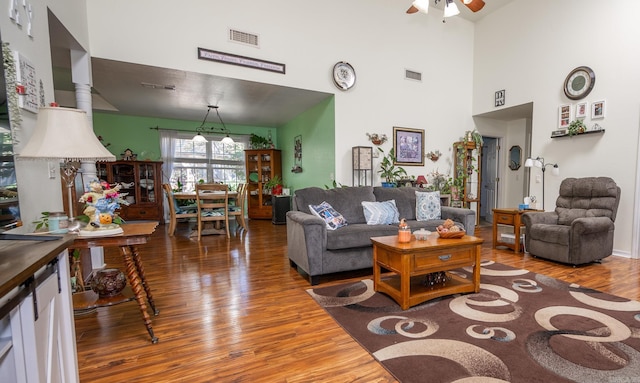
(64, 135)
(421, 180)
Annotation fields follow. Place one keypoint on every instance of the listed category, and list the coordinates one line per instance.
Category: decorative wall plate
(344, 76)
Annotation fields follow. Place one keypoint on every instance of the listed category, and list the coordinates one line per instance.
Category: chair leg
(172, 227)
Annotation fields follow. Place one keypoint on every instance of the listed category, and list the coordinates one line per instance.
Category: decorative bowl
(452, 234)
(108, 282)
(422, 234)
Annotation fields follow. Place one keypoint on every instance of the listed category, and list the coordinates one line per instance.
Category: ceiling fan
(450, 8)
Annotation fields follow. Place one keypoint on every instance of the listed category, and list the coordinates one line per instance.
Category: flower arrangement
(102, 201)
(377, 139)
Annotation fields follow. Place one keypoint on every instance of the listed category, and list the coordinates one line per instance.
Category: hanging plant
(15, 117)
(434, 155)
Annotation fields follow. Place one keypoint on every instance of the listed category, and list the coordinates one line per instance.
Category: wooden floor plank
(233, 310)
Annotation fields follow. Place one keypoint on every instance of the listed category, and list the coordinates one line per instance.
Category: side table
(134, 234)
(281, 204)
(508, 217)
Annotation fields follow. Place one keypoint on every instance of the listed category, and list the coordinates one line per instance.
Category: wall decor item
(434, 155)
(579, 83)
(564, 116)
(26, 83)
(377, 139)
(515, 157)
(581, 110)
(297, 155)
(500, 97)
(15, 117)
(228, 58)
(597, 110)
(344, 76)
(408, 145)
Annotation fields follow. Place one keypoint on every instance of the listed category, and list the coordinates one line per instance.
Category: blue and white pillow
(381, 213)
(329, 215)
(428, 206)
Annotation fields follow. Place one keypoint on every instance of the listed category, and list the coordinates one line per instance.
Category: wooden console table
(134, 234)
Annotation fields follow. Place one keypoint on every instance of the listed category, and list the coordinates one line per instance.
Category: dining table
(214, 228)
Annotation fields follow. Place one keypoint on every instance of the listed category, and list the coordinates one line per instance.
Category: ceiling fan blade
(474, 5)
(412, 9)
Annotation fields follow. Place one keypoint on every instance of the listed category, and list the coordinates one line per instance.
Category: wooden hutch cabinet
(262, 166)
(466, 167)
(142, 180)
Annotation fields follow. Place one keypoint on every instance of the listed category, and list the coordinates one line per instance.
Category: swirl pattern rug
(520, 327)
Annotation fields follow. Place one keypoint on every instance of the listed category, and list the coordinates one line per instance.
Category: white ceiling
(118, 85)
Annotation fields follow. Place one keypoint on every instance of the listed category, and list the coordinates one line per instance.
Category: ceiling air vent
(243, 37)
(412, 75)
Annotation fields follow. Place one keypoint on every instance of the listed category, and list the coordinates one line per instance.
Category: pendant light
(450, 9)
(227, 140)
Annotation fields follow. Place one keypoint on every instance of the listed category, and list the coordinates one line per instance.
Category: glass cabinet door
(146, 188)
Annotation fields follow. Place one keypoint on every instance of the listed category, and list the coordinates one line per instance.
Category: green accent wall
(132, 132)
(316, 127)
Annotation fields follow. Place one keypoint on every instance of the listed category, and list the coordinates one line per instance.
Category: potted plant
(377, 139)
(576, 127)
(258, 142)
(473, 136)
(274, 184)
(388, 171)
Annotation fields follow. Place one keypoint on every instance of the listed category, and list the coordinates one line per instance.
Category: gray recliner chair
(580, 230)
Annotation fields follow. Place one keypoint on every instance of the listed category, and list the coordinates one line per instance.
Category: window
(191, 162)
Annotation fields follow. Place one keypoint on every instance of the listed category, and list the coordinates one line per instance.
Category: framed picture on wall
(564, 116)
(408, 145)
(597, 110)
(581, 110)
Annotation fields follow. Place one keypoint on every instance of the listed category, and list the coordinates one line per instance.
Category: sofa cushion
(357, 235)
(345, 200)
(428, 206)
(380, 213)
(405, 198)
(329, 215)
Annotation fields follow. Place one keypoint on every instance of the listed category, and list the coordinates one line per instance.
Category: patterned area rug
(520, 327)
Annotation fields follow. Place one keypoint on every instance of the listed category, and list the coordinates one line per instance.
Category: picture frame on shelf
(581, 110)
(598, 110)
(564, 116)
(408, 146)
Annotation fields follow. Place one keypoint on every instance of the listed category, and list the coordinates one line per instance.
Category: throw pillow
(428, 206)
(331, 217)
(380, 213)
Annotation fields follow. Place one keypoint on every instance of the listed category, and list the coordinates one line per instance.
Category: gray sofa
(580, 230)
(316, 251)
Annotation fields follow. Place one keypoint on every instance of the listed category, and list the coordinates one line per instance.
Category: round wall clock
(344, 76)
(579, 83)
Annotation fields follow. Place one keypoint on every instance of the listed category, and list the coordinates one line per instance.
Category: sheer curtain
(167, 142)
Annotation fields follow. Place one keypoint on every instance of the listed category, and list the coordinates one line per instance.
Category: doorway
(489, 187)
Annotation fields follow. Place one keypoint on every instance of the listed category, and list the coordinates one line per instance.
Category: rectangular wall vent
(243, 37)
(412, 75)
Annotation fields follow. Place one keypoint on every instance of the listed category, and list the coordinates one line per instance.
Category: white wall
(529, 47)
(376, 36)
(38, 193)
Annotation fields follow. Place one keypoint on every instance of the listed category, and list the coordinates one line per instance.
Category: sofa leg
(293, 264)
(314, 280)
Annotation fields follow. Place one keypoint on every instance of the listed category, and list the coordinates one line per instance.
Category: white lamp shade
(555, 170)
(64, 134)
(227, 140)
(528, 163)
(422, 5)
(537, 163)
(450, 9)
(199, 138)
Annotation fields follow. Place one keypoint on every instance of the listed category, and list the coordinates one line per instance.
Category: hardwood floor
(233, 310)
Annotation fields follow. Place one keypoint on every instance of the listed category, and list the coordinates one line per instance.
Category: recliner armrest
(590, 225)
(544, 217)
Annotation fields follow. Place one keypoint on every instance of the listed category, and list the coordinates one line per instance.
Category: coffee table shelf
(407, 263)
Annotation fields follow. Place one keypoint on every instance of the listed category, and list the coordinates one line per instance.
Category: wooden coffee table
(408, 263)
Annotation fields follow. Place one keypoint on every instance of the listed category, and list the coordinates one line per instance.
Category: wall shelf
(579, 134)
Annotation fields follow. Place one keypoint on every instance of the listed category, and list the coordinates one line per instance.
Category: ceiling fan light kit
(450, 8)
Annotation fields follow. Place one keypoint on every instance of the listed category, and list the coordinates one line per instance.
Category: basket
(450, 234)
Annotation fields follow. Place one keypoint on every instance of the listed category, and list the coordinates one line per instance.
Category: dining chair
(175, 211)
(213, 205)
(238, 210)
